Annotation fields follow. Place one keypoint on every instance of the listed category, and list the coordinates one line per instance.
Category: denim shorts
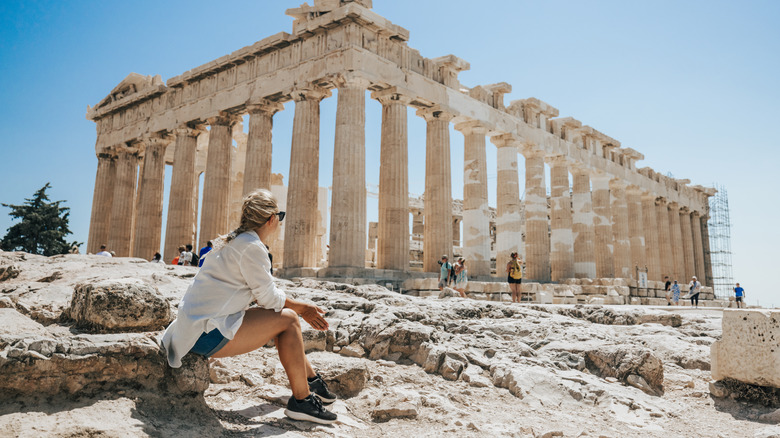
(209, 343)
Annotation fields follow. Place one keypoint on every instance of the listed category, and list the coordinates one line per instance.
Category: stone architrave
(561, 237)
(582, 225)
(509, 227)
(698, 247)
(101, 202)
(665, 256)
(678, 263)
(348, 202)
(537, 237)
(148, 222)
(216, 184)
(437, 239)
(123, 205)
(259, 149)
(602, 226)
(393, 227)
(476, 219)
(650, 225)
(180, 226)
(636, 232)
(301, 228)
(687, 243)
(705, 237)
(620, 230)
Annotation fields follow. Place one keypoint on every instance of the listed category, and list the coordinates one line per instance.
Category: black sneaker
(319, 387)
(309, 409)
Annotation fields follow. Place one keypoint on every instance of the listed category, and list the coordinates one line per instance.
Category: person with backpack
(514, 277)
(446, 273)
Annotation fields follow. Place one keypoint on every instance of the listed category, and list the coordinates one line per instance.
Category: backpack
(516, 271)
(195, 259)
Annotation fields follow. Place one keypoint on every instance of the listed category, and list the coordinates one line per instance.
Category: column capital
(435, 113)
(614, 182)
(309, 92)
(660, 200)
(263, 106)
(351, 80)
(190, 130)
(506, 140)
(471, 127)
(557, 160)
(577, 168)
(224, 119)
(647, 196)
(685, 210)
(695, 213)
(392, 95)
(634, 190)
(159, 139)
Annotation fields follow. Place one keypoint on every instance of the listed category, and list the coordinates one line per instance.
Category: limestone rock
(119, 305)
(395, 405)
(622, 361)
(9, 272)
(346, 378)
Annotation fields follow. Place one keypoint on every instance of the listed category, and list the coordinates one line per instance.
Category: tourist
(185, 257)
(215, 318)
(514, 271)
(157, 258)
(739, 294)
(444, 272)
(175, 260)
(694, 287)
(667, 289)
(103, 252)
(676, 293)
(461, 277)
(203, 251)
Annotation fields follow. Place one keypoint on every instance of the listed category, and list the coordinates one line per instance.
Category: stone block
(592, 290)
(119, 305)
(476, 286)
(635, 301)
(597, 300)
(623, 290)
(586, 282)
(544, 297)
(572, 281)
(615, 300)
(530, 287)
(621, 282)
(611, 291)
(748, 349)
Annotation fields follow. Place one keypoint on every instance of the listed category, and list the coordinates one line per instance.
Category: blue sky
(693, 85)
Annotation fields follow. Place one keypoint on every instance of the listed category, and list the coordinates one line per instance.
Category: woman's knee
(290, 317)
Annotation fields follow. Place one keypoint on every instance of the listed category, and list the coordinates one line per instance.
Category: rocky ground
(87, 367)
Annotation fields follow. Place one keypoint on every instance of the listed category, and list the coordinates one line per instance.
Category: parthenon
(613, 221)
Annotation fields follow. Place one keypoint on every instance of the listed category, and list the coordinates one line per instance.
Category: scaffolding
(719, 225)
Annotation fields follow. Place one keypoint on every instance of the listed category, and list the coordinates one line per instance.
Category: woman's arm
(309, 312)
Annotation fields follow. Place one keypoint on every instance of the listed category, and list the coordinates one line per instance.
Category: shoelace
(317, 402)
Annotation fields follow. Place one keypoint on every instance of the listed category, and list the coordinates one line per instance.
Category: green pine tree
(43, 227)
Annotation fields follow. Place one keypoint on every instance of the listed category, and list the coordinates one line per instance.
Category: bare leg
(262, 325)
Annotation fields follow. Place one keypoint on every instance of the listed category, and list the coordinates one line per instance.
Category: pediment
(132, 84)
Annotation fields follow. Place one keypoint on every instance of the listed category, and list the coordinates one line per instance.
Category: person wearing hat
(694, 287)
(444, 276)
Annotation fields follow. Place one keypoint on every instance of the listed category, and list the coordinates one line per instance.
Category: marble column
(437, 240)
(636, 232)
(476, 214)
(537, 237)
(348, 202)
(259, 150)
(620, 230)
(687, 243)
(148, 221)
(582, 225)
(393, 228)
(123, 204)
(650, 225)
(678, 263)
(665, 256)
(705, 237)
(561, 237)
(509, 226)
(216, 184)
(602, 227)
(102, 200)
(698, 247)
(301, 228)
(180, 226)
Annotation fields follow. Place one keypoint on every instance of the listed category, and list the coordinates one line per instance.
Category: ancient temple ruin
(614, 221)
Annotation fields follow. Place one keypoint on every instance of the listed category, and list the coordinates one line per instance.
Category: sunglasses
(281, 215)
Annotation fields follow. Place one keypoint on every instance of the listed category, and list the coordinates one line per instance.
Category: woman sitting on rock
(215, 320)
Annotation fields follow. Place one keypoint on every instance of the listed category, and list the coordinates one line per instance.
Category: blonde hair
(257, 208)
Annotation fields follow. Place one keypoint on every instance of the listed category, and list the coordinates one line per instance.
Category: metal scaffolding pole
(719, 225)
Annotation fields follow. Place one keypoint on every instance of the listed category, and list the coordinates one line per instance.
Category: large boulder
(748, 349)
(634, 365)
(125, 305)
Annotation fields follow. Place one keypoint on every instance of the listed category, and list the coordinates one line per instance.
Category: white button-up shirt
(228, 282)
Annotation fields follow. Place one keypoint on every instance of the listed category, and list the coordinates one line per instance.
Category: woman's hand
(313, 315)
